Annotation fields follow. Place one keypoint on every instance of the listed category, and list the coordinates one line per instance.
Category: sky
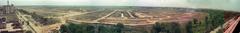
(216, 4)
(98, 2)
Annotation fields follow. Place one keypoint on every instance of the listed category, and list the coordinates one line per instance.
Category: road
(105, 16)
(32, 25)
(96, 21)
(221, 27)
(130, 14)
(231, 25)
(28, 22)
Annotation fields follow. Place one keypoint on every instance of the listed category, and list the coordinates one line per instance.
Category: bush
(167, 27)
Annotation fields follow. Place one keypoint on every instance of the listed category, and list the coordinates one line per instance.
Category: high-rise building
(9, 20)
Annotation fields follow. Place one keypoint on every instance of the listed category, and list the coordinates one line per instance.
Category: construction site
(50, 19)
(119, 16)
(134, 19)
(131, 17)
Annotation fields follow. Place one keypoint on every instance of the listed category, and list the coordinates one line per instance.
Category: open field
(151, 16)
(55, 11)
(91, 16)
(111, 15)
(136, 19)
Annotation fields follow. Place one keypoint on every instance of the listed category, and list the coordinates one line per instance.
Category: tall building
(9, 22)
(7, 9)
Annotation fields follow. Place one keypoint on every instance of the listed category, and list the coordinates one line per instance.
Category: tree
(90, 28)
(167, 27)
(156, 27)
(28, 32)
(172, 27)
(119, 27)
(189, 27)
(195, 21)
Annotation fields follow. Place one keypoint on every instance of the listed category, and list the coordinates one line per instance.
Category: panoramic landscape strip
(116, 19)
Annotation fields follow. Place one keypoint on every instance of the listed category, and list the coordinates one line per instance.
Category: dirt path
(130, 14)
(104, 16)
(75, 13)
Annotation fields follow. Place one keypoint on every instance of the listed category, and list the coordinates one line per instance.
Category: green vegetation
(77, 28)
(166, 27)
(39, 18)
(28, 31)
(91, 28)
(23, 11)
(157, 27)
(196, 27)
(214, 19)
(43, 20)
(119, 27)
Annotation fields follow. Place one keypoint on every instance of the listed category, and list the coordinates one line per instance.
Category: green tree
(28, 32)
(119, 27)
(189, 27)
(170, 27)
(156, 27)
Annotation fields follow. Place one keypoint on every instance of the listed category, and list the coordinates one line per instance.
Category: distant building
(9, 22)
(7, 9)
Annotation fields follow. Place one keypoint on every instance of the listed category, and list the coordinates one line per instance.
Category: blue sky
(216, 4)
